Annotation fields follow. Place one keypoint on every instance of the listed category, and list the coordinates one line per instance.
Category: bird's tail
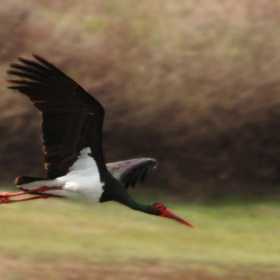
(27, 183)
(22, 180)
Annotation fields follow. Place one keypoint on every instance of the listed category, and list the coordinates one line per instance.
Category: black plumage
(71, 118)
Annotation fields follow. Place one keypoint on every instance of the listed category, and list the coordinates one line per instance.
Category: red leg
(4, 200)
(4, 197)
(38, 190)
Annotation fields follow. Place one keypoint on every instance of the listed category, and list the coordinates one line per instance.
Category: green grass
(224, 237)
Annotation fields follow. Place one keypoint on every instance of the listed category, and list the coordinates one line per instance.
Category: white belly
(81, 182)
(83, 187)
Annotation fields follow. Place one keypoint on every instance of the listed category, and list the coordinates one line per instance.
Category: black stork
(72, 123)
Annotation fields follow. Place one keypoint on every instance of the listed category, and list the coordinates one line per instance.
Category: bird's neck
(131, 203)
(120, 194)
(138, 206)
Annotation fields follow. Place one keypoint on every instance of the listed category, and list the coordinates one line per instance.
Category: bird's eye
(160, 207)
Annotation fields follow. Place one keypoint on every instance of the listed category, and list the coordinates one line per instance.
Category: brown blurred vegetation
(195, 84)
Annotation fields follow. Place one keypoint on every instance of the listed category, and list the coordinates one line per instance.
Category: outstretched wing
(72, 119)
(129, 172)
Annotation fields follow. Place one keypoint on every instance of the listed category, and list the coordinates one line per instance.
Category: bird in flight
(72, 122)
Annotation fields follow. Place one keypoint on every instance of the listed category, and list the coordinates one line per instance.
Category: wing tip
(129, 172)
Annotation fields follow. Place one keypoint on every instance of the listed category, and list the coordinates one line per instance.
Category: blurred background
(194, 84)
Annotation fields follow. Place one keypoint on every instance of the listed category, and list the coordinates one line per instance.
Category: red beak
(168, 214)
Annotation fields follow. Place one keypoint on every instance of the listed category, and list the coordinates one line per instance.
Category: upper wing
(71, 118)
(129, 172)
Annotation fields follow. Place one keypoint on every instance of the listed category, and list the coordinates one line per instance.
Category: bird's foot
(5, 196)
(33, 191)
(5, 200)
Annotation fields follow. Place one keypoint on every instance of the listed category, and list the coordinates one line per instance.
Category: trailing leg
(5, 196)
(5, 200)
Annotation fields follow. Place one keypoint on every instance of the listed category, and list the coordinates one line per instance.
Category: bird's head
(159, 209)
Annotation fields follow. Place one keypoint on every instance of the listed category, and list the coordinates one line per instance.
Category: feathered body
(72, 122)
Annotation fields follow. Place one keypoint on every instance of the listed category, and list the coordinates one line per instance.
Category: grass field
(60, 239)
